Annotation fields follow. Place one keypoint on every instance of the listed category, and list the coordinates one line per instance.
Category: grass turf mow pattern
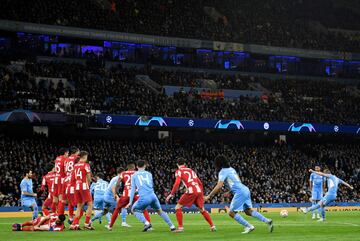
(338, 226)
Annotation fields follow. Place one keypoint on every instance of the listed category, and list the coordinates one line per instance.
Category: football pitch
(339, 226)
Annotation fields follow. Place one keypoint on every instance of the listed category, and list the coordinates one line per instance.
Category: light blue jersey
(108, 194)
(110, 202)
(98, 189)
(231, 178)
(241, 199)
(317, 186)
(333, 184)
(142, 181)
(26, 185)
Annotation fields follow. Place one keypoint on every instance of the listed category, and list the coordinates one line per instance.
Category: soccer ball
(284, 213)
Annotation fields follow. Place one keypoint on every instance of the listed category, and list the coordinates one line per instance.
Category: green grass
(339, 226)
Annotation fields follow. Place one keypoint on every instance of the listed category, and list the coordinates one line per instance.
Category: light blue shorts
(99, 204)
(328, 199)
(143, 202)
(28, 202)
(316, 195)
(241, 201)
(109, 203)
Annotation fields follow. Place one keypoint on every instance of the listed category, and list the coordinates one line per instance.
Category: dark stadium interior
(274, 85)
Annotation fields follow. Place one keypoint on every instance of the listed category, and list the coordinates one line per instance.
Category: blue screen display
(135, 120)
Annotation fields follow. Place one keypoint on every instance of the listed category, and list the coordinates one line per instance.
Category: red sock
(87, 219)
(53, 207)
(179, 217)
(45, 211)
(61, 207)
(208, 218)
(75, 221)
(114, 217)
(147, 215)
(81, 213)
(30, 228)
(71, 211)
(28, 223)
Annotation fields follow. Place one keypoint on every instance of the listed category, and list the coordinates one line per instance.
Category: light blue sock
(238, 218)
(322, 211)
(108, 217)
(35, 212)
(140, 217)
(98, 215)
(166, 219)
(257, 215)
(314, 207)
(314, 211)
(123, 214)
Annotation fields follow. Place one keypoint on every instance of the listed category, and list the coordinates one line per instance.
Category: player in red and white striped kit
(123, 201)
(52, 222)
(59, 193)
(68, 188)
(194, 194)
(49, 181)
(82, 191)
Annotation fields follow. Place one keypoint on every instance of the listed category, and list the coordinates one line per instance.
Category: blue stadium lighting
(203, 51)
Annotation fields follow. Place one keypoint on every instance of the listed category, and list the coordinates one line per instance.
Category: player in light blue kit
(332, 185)
(28, 197)
(143, 182)
(316, 185)
(241, 200)
(97, 190)
(110, 198)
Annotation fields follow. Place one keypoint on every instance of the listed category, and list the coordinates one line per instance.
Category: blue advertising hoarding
(158, 121)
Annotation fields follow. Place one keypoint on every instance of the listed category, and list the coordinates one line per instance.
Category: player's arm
(310, 182)
(216, 189)
(43, 220)
(116, 187)
(23, 187)
(347, 184)
(43, 184)
(320, 173)
(113, 190)
(132, 191)
(175, 188)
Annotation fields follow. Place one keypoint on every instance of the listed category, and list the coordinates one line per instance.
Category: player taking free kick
(194, 194)
(332, 184)
(241, 200)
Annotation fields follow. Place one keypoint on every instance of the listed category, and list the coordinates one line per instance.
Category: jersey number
(142, 178)
(69, 166)
(101, 186)
(57, 167)
(78, 173)
(128, 180)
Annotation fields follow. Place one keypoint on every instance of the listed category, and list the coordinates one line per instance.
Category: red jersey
(81, 169)
(126, 180)
(49, 181)
(50, 223)
(69, 167)
(190, 180)
(60, 168)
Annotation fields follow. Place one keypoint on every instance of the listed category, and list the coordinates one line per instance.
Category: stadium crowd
(117, 91)
(274, 174)
(302, 24)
